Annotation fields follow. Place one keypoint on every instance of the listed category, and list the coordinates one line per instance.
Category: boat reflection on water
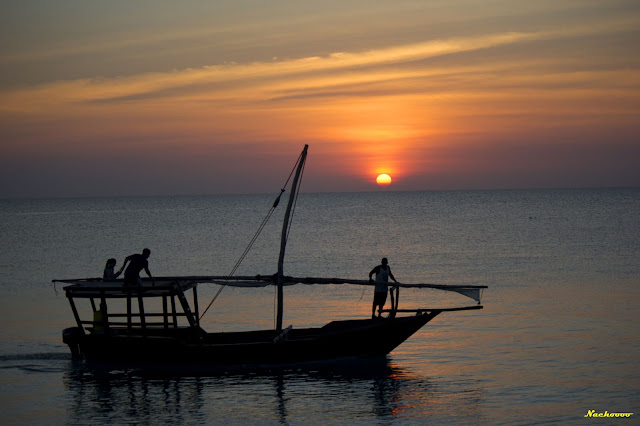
(311, 393)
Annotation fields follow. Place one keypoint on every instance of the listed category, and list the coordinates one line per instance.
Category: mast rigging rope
(255, 236)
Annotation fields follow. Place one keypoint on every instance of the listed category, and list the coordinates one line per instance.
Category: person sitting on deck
(100, 319)
(109, 274)
(383, 273)
(137, 262)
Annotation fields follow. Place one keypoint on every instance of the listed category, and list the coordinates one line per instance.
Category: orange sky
(194, 98)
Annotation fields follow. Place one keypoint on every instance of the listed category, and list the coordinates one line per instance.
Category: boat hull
(339, 339)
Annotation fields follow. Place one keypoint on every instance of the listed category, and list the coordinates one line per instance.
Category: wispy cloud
(263, 74)
(279, 79)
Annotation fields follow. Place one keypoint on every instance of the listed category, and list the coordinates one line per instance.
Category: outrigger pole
(283, 240)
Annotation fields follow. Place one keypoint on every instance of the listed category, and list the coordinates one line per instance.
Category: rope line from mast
(255, 236)
(295, 202)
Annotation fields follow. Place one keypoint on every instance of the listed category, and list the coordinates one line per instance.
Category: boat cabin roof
(97, 288)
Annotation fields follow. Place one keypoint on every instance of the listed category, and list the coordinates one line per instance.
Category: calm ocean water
(558, 335)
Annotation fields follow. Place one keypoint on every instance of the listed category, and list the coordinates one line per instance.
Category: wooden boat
(170, 332)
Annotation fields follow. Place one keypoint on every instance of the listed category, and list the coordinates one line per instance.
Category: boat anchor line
(174, 335)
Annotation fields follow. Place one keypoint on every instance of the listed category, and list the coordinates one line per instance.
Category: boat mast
(283, 240)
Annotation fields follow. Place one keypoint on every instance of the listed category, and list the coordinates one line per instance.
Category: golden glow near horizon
(532, 100)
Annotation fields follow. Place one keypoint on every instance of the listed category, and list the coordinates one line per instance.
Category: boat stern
(72, 337)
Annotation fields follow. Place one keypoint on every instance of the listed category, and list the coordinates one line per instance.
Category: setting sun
(383, 179)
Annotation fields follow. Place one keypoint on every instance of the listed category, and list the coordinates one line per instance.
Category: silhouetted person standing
(137, 262)
(383, 273)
